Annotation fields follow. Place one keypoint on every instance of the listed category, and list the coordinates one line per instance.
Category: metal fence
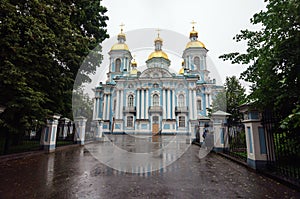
(16, 143)
(236, 142)
(283, 148)
(65, 134)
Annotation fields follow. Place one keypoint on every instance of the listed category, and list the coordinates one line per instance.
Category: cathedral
(154, 100)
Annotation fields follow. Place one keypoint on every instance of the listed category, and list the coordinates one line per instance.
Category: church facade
(155, 99)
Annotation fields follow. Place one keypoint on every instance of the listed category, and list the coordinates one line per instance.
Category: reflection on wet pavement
(76, 173)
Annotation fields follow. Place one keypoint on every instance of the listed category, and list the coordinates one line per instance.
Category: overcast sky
(218, 21)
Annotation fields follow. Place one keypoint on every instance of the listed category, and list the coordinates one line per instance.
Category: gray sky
(218, 21)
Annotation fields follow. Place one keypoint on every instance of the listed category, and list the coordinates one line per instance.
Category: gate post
(220, 131)
(80, 123)
(99, 134)
(255, 137)
(48, 137)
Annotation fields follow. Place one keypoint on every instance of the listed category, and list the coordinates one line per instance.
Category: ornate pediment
(155, 73)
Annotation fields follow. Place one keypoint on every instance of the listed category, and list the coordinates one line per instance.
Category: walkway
(76, 173)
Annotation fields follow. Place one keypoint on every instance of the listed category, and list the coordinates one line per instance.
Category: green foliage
(43, 44)
(230, 99)
(273, 57)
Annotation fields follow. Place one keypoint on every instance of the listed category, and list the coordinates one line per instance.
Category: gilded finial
(158, 30)
(193, 23)
(122, 25)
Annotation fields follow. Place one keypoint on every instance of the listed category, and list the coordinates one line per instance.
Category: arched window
(155, 119)
(199, 105)
(130, 101)
(181, 100)
(129, 121)
(118, 65)
(155, 100)
(202, 63)
(197, 62)
(181, 121)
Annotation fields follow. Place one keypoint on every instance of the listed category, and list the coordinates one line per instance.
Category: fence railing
(236, 142)
(283, 148)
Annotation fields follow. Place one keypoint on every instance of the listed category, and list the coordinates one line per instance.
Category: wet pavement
(78, 173)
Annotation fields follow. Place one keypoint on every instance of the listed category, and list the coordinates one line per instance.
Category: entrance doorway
(155, 125)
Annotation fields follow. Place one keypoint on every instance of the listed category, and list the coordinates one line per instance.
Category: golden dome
(134, 72)
(158, 53)
(133, 62)
(119, 46)
(181, 71)
(158, 39)
(195, 44)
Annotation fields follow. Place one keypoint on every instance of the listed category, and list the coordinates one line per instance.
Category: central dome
(195, 44)
(120, 46)
(158, 54)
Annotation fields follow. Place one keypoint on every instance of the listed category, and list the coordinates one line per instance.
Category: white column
(142, 105)
(138, 104)
(206, 95)
(195, 104)
(121, 104)
(169, 102)
(104, 106)
(210, 99)
(173, 104)
(108, 107)
(164, 106)
(147, 103)
(117, 110)
(190, 105)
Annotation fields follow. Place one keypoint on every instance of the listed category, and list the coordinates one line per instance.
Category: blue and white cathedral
(154, 100)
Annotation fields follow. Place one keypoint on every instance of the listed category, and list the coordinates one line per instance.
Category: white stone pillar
(190, 104)
(48, 137)
(99, 134)
(108, 107)
(121, 104)
(138, 104)
(142, 105)
(173, 104)
(164, 106)
(117, 109)
(195, 104)
(147, 103)
(80, 123)
(207, 105)
(104, 106)
(256, 141)
(168, 103)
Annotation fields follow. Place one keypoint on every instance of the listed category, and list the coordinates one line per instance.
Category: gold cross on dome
(122, 25)
(193, 23)
(158, 30)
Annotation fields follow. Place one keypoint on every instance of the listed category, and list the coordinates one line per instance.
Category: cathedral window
(199, 105)
(202, 63)
(181, 121)
(118, 65)
(155, 119)
(130, 101)
(155, 100)
(181, 100)
(197, 62)
(129, 121)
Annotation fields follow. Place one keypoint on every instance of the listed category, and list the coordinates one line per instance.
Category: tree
(43, 44)
(273, 57)
(230, 99)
